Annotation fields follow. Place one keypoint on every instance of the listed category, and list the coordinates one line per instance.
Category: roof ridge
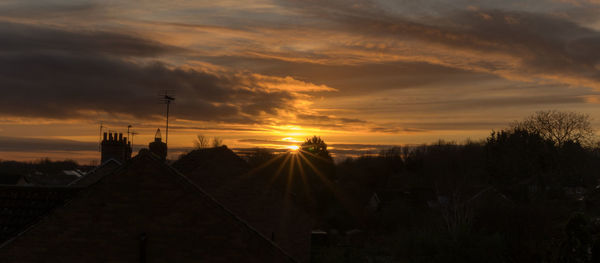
(225, 209)
(275, 248)
(95, 170)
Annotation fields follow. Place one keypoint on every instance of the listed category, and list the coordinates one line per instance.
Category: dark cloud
(49, 9)
(60, 74)
(358, 146)
(543, 44)
(486, 103)
(455, 104)
(263, 141)
(330, 120)
(362, 78)
(453, 125)
(431, 126)
(395, 129)
(17, 144)
(15, 38)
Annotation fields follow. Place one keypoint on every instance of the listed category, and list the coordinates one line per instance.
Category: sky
(364, 75)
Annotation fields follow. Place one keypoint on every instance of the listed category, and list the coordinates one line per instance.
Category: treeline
(43, 165)
(528, 193)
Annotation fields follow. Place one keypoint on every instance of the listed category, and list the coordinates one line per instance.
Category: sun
(293, 148)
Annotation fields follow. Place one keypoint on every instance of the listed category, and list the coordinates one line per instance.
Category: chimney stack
(115, 146)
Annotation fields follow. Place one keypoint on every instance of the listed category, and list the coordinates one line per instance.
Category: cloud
(22, 38)
(267, 142)
(339, 151)
(48, 9)
(316, 119)
(52, 73)
(520, 45)
(20, 144)
(382, 129)
(397, 67)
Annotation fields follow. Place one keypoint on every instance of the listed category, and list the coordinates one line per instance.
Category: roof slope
(252, 196)
(23, 206)
(148, 198)
(93, 176)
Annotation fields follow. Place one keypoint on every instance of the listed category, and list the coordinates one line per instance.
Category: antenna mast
(100, 140)
(167, 100)
(132, 134)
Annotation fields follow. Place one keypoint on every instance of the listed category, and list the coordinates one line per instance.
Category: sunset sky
(363, 75)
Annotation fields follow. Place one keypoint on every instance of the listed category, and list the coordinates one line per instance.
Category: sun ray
(265, 164)
(303, 177)
(313, 155)
(290, 175)
(337, 194)
(279, 169)
(314, 168)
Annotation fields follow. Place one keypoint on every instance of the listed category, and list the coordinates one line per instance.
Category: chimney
(115, 147)
(158, 147)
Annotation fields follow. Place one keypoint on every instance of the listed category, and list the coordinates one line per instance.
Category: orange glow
(293, 148)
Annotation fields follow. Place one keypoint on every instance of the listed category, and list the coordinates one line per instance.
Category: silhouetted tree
(317, 158)
(317, 146)
(201, 142)
(559, 126)
(217, 142)
(519, 161)
(319, 172)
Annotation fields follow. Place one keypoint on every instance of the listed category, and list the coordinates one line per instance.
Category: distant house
(142, 211)
(97, 173)
(12, 179)
(57, 178)
(374, 203)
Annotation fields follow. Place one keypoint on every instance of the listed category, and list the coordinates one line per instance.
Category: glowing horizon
(271, 73)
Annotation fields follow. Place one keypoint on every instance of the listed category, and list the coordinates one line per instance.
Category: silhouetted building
(53, 178)
(158, 147)
(143, 211)
(115, 146)
(12, 179)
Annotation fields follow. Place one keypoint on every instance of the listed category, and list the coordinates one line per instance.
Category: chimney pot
(104, 137)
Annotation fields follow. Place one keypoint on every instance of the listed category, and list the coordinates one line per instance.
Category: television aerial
(167, 98)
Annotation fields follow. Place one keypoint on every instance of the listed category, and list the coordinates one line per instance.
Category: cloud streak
(384, 71)
(507, 43)
(63, 74)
